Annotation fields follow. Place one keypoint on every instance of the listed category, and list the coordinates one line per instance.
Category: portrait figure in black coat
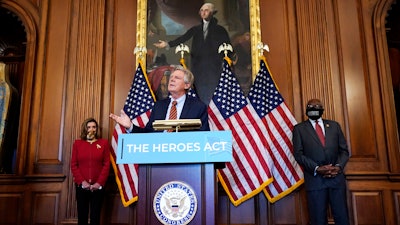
(206, 61)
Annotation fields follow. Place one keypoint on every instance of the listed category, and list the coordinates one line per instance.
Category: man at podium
(191, 196)
(179, 105)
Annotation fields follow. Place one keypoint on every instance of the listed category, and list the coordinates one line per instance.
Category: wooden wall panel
(318, 61)
(124, 45)
(374, 201)
(84, 81)
(53, 35)
(368, 207)
(277, 32)
(287, 210)
(11, 208)
(356, 82)
(396, 196)
(43, 203)
(360, 79)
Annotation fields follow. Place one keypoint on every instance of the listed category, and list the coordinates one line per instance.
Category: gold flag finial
(140, 50)
(181, 48)
(261, 47)
(225, 48)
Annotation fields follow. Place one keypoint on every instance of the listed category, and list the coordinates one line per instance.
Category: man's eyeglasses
(316, 106)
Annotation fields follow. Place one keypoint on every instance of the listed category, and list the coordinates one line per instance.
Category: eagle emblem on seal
(175, 203)
(175, 206)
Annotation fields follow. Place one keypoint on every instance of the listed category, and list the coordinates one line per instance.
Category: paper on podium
(181, 124)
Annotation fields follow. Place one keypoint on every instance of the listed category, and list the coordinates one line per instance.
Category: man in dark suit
(206, 62)
(187, 107)
(323, 159)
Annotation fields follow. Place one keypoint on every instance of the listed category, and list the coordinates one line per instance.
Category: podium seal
(175, 203)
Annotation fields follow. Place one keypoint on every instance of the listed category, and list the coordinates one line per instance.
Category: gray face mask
(314, 113)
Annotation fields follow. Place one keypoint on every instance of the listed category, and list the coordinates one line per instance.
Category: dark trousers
(318, 205)
(88, 201)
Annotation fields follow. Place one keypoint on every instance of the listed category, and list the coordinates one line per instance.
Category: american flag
(138, 105)
(192, 93)
(276, 124)
(249, 173)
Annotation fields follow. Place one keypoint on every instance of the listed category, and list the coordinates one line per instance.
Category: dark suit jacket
(193, 108)
(309, 153)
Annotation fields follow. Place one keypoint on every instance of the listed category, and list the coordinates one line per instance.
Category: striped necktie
(173, 113)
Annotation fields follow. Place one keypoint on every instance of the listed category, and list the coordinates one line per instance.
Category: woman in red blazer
(90, 165)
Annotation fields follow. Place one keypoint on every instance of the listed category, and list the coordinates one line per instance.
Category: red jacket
(90, 161)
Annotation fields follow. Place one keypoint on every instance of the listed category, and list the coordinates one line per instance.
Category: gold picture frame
(254, 25)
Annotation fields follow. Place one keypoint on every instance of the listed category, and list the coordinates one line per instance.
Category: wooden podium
(177, 178)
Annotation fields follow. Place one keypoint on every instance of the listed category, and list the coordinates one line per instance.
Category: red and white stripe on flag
(276, 123)
(249, 173)
(138, 105)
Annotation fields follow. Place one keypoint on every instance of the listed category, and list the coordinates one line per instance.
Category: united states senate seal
(175, 203)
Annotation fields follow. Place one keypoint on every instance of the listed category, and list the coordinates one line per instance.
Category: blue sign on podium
(175, 147)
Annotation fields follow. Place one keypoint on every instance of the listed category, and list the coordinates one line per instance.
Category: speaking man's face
(177, 83)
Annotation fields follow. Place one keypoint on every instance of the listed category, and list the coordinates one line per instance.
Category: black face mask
(314, 113)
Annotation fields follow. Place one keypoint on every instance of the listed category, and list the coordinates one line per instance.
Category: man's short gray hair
(188, 75)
